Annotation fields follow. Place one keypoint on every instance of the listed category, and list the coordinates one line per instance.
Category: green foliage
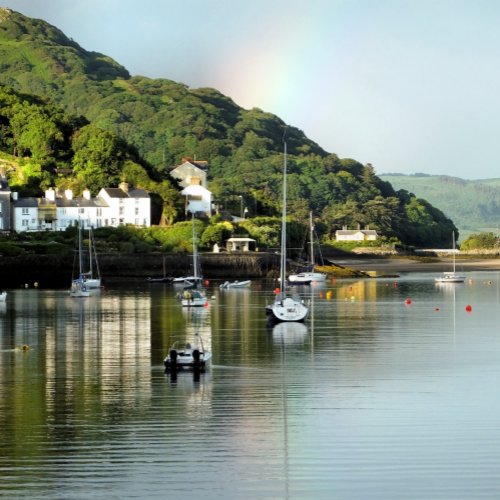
(115, 127)
(481, 241)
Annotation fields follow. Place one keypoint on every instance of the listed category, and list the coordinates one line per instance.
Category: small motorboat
(193, 298)
(189, 357)
(235, 284)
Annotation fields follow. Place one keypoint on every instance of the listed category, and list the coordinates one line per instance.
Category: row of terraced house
(58, 210)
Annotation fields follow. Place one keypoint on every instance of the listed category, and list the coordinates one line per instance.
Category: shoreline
(389, 265)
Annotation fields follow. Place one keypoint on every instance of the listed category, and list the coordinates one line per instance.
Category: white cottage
(198, 199)
(356, 235)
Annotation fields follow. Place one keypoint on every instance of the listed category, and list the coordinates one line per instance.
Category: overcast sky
(409, 86)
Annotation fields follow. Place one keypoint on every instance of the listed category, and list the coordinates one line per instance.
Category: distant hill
(474, 206)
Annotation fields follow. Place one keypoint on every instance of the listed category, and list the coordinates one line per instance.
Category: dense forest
(72, 118)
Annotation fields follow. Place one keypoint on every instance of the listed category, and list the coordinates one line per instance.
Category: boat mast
(311, 242)
(283, 227)
(195, 251)
(80, 250)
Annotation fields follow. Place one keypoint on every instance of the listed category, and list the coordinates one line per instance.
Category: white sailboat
(196, 278)
(284, 307)
(92, 281)
(311, 275)
(192, 296)
(78, 287)
(451, 277)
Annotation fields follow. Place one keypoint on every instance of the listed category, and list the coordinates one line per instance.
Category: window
(26, 211)
(25, 222)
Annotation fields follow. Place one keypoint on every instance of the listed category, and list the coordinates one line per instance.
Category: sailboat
(196, 278)
(311, 275)
(92, 282)
(192, 296)
(78, 286)
(451, 277)
(284, 307)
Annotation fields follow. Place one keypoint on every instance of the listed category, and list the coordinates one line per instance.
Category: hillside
(69, 110)
(474, 206)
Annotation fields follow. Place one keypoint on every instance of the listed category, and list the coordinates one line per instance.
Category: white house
(125, 206)
(356, 235)
(190, 172)
(198, 199)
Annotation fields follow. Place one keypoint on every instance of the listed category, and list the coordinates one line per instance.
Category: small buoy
(329, 295)
(25, 347)
(276, 291)
(353, 298)
(207, 282)
(395, 284)
(468, 308)
(35, 284)
(408, 301)
(436, 309)
(26, 285)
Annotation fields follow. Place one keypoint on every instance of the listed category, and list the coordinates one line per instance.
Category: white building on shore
(112, 207)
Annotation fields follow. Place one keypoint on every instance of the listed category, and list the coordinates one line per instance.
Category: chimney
(123, 186)
(68, 194)
(50, 194)
(86, 194)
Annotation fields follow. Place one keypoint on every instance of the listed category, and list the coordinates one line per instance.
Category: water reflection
(368, 385)
(289, 333)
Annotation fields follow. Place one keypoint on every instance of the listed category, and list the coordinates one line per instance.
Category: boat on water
(192, 295)
(92, 277)
(285, 307)
(78, 286)
(235, 284)
(3, 296)
(193, 298)
(188, 356)
(451, 276)
(310, 275)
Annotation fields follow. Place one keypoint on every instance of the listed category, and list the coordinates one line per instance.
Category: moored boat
(188, 357)
(235, 284)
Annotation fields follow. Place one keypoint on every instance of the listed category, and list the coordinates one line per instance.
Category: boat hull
(288, 309)
(306, 278)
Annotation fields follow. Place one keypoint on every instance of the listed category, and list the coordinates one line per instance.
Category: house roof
(132, 193)
(240, 239)
(25, 202)
(355, 231)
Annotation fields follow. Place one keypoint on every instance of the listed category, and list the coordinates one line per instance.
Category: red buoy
(468, 308)
(408, 301)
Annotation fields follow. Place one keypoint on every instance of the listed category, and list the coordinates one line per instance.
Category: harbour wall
(53, 271)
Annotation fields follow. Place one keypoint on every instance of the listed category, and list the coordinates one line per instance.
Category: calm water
(371, 398)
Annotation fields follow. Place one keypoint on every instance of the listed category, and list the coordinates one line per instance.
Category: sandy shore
(404, 265)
